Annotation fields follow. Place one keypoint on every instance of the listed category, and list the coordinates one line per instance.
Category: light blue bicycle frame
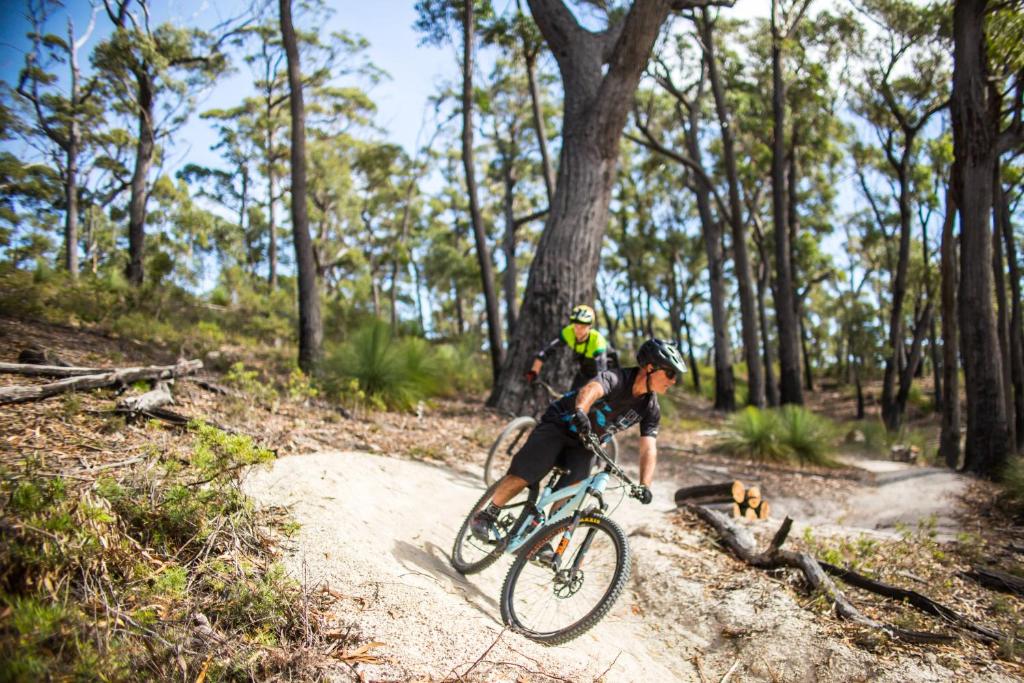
(575, 494)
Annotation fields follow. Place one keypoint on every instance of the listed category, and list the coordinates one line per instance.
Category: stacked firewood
(730, 496)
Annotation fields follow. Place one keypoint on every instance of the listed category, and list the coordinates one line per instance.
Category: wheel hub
(567, 583)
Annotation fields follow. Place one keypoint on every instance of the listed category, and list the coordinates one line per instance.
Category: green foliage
(1013, 482)
(754, 433)
(250, 382)
(377, 369)
(786, 434)
(805, 435)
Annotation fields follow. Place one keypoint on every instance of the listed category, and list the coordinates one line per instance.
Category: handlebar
(592, 443)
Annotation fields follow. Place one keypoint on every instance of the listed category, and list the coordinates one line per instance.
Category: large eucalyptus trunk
(310, 327)
(975, 119)
(785, 310)
(596, 104)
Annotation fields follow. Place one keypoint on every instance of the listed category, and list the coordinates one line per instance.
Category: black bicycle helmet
(660, 354)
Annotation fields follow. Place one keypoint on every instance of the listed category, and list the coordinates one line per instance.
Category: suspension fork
(563, 543)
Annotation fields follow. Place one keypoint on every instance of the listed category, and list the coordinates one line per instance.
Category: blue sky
(415, 72)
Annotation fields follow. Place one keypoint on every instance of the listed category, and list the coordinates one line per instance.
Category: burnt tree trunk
(1016, 332)
(1002, 314)
(310, 326)
(785, 310)
(975, 118)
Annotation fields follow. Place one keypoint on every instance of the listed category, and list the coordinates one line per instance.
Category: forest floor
(378, 498)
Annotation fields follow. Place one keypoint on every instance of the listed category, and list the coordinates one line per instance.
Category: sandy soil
(378, 530)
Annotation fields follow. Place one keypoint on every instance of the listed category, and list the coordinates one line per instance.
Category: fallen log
(991, 577)
(34, 370)
(160, 395)
(741, 543)
(121, 376)
(753, 497)
(717, 493)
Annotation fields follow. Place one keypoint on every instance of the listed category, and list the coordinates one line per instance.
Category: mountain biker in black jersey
(588, 345)
(613, 401)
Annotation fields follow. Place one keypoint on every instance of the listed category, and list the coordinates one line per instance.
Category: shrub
(375, 367)
(464, 367)
(790, 433)
(754, 433)
(805, 435)
(1013, 480)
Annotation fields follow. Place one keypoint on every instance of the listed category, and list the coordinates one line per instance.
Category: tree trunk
(789, 344)
(596, 104)
(1016, 331)
(272, 220)
(741, 260)
(538, 124)
(310, 327)
(725, 390)
(139, 182)
(975, 118)
(1002, 315)
(892, 411)
(510, 279)
(71, 156)
(949, 436)
(695, 371)
(770, 386)
(483, 251)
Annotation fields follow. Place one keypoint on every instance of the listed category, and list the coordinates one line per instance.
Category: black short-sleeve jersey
(617, 410)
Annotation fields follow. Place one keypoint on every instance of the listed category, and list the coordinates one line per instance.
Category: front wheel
(511, 439)
(469, 553)
(555, 607)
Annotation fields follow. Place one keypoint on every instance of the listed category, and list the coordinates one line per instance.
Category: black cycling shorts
(547, 446)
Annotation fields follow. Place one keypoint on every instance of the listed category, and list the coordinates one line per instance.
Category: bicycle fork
(563, 543)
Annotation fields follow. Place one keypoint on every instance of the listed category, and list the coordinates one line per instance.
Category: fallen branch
(994, 578)
(158, 396)
(122, 376)
(742, 545)
(921, 602)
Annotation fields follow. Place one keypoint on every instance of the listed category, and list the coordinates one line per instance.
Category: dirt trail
(378, 530)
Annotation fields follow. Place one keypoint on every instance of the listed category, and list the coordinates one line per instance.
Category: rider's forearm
(648, 459)
(589, 392)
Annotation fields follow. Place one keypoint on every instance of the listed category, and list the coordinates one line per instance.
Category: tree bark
(310, 326)
(538, 124)
(789, 344)
(949, 435)
(71, 157)
(975, 119)
(510, 278)
(1002, 314)
(140, 176)
(741, 259)
(483, 251)
(596, 104)
(1016, 331)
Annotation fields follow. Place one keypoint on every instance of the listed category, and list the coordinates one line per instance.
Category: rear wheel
(511, 439)
(555, 607)
(469, 553)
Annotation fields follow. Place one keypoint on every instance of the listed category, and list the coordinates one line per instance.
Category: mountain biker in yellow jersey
(588, 345)
(613, 401)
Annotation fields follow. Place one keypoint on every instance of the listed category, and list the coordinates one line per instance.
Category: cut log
(37, 355)
(750, 513)
(990, 577)
(122, 376)
(725, 491)
(763, 510)
(737, 511)
(741, 543)
(158, 396)
(753, 497)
